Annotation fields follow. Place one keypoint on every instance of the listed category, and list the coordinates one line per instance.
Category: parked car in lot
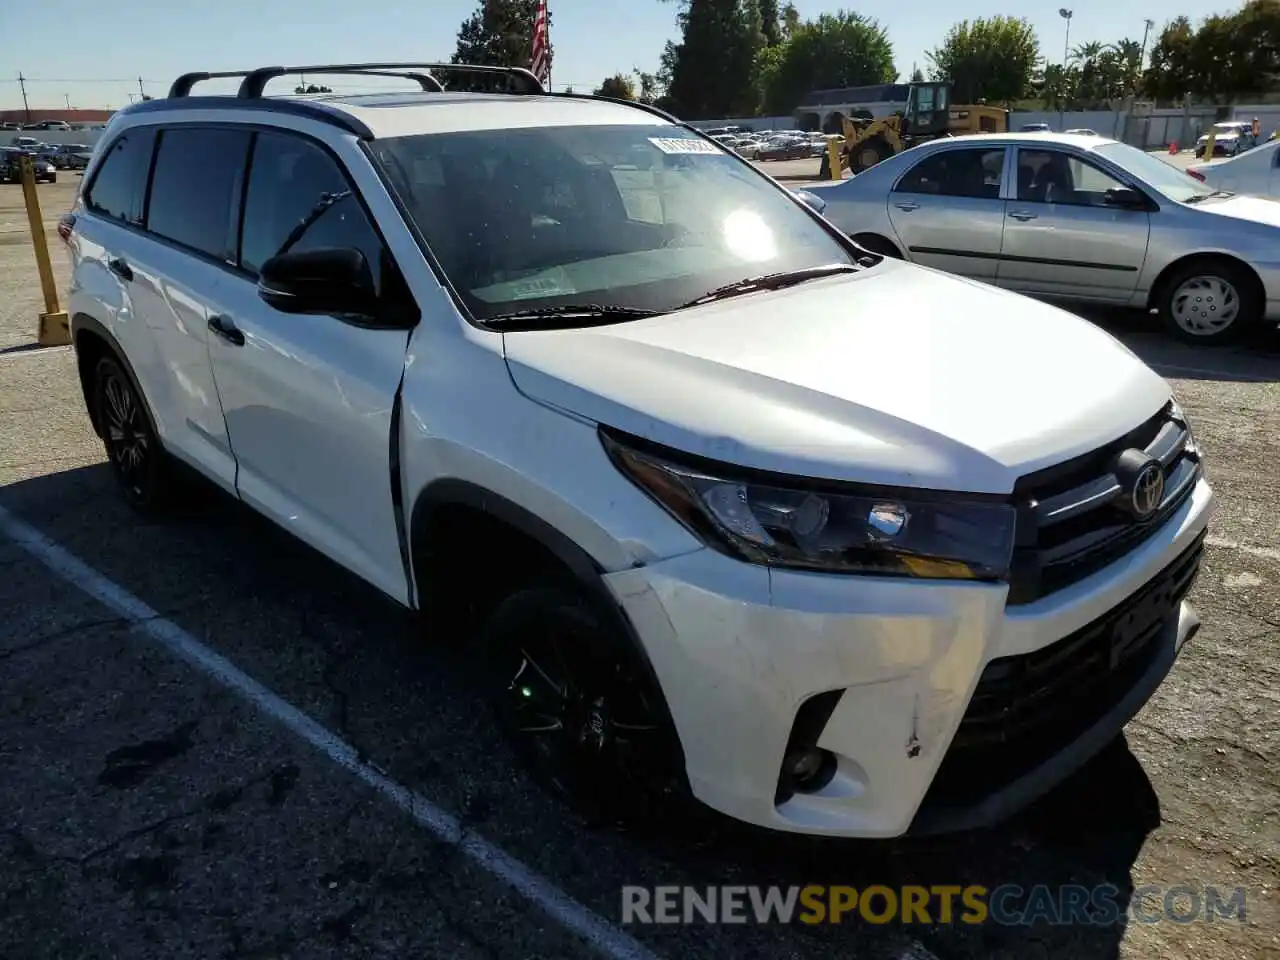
(10, 171)
(588, 391)
(785, 148)
(1230, 138)
(1256, 172)
(1078, 218)
(71, 156)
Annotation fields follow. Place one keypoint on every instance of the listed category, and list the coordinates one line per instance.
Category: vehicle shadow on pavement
(356, 662)
(1255, 358)
(1087, 833)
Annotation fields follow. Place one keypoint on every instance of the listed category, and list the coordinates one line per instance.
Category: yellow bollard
(54, 330)
(833, 160)
(1208, 146)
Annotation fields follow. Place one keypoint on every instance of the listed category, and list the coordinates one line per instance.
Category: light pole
(1065, 14)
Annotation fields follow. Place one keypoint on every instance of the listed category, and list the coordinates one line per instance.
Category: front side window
(298, 199)
(972, 173)
(193, 188)
(1173, 183)
(644, 217)
(1051, 176)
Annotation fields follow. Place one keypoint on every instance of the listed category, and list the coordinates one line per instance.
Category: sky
(87, 53)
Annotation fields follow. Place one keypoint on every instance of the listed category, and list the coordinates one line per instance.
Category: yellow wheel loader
(928, 115)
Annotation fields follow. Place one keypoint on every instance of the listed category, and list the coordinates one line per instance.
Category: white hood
(899, 375)
(1242, 206)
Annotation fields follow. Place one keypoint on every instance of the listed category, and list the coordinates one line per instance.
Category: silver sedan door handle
(907, 205)
(1023, 215)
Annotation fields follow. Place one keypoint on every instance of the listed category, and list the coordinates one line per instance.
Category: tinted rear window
(193, 187)
(116, 190)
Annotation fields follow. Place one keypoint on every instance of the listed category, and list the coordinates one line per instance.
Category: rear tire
(579, 709)
(1210, 302)
(141, 467)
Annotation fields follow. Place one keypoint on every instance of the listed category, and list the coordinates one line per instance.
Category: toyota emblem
(1148, 490)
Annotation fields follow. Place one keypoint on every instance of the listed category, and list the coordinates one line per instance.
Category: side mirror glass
(333, 281)
(1126, 197)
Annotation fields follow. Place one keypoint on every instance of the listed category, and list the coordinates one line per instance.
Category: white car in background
(1256, 171)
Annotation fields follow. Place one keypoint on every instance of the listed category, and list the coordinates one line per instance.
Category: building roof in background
(877, 93)
(70, 116)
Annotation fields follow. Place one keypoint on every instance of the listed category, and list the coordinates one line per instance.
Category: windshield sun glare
(647, 217)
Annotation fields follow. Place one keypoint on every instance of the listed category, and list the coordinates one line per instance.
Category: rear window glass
(192, 189)
(116, 190)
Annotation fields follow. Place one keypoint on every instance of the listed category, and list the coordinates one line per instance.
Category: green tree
(987, 59)
(841, 49)
(917, 75)
(1168, 77)
(790, 20)
(648, 86)
(619, 87)
(1258, 33)
(770, 22)
(1214, 67)
(498, 34)
(711, 72)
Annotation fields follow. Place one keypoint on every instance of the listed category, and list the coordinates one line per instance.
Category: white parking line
(605, 937)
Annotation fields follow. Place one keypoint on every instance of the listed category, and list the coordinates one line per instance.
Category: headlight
(817, 525)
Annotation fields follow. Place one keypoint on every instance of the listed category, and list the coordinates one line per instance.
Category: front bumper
(739, 648)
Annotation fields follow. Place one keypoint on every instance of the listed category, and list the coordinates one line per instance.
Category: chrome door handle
(227, 330)
(1023, 215)
(907, 205)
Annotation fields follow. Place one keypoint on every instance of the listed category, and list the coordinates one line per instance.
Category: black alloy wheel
(133, 451)
(578, 708)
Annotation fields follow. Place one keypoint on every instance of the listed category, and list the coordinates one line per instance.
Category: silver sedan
(1071, 217)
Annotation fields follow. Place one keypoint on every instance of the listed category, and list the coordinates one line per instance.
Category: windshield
(1154, 172)
(643, 217)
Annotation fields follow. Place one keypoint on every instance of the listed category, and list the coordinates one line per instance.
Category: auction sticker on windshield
(677, 145)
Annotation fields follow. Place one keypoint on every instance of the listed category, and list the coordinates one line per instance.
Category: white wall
(51, 136)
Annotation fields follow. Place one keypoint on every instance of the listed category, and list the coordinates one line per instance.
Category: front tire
(140, 465)
(1210, 302)
(865, 155)
(579, 708)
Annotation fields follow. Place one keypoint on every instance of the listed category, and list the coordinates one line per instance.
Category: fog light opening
(809, 769)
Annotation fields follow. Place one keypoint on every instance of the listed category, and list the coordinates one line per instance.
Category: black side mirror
(335, 281)
(1127, 198)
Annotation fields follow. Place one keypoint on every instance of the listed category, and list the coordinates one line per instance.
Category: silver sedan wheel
(1205, 306)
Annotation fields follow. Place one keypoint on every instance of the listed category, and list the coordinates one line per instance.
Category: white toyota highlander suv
(731, 507)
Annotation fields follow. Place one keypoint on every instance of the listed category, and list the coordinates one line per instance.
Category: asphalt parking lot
(214, 743)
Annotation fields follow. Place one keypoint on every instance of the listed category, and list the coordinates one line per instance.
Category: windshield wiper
(773, 281)
(1209, 196)
(565, 316)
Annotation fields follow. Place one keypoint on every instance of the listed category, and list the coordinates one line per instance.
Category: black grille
(1027, 708)
(1072, 519)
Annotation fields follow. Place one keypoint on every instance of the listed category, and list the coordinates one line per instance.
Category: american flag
(540, 63)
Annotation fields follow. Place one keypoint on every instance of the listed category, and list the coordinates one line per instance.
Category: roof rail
(519, 80)
(182, 86)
